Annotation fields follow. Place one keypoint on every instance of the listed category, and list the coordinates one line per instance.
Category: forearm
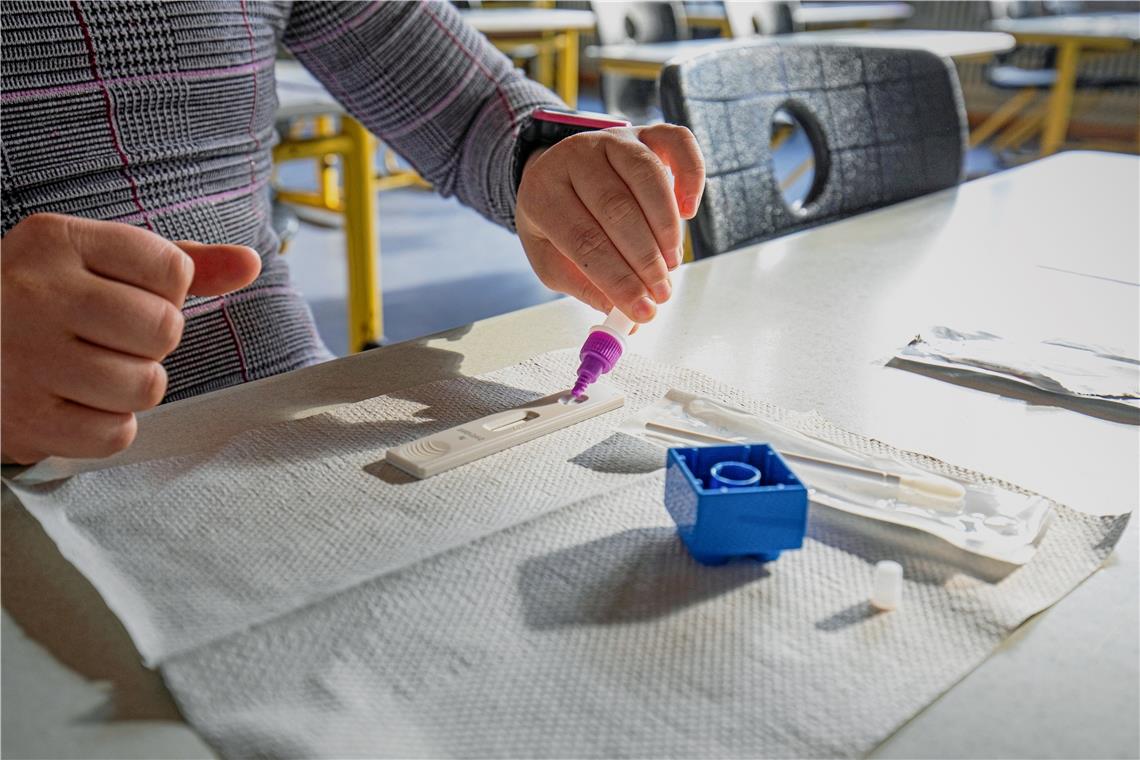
(427, 84)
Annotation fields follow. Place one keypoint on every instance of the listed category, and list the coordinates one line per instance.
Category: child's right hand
(89, 310)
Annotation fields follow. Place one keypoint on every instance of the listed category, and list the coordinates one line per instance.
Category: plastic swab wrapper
(984, 519)
(928, 489)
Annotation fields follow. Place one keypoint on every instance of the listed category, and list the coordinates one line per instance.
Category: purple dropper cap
(599, 354)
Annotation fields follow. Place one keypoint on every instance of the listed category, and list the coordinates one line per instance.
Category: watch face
(581, 119)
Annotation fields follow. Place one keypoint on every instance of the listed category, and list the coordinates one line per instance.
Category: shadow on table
(1102, 409)
(56, 606)
(622, 454)
(632, 576)
(849, 616)
(280, 398)
(924, 558)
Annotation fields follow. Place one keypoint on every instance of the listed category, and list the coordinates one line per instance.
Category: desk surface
(827, 14)
(942, 43)
(805, 321)
(947, 44)
(1119, 26)
(824, 14)
(527, 20)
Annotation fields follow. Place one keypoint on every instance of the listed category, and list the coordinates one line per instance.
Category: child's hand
(600, 220)
(90, 308)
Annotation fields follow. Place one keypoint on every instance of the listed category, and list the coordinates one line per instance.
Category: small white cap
(888, 585)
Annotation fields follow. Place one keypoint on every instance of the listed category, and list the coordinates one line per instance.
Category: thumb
(218, 269)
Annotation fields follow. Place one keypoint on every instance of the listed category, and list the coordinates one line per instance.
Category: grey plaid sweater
(161, 114)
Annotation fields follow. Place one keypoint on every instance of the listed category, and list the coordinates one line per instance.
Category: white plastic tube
(887, 591)
(617, 324)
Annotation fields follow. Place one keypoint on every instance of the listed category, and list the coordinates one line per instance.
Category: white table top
(805, 321)
(1123, 26)
(819, 14)
(527, 20)
(300, 94)
(828, 14)
(947, 44)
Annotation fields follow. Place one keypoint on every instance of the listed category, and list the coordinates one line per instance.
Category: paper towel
(303, 600)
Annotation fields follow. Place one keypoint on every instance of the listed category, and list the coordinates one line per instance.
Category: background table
(850, 14)
(646, 61)
(819, 15)
(1073, 35)
(945, 44)
(805, 321)
(544, 27)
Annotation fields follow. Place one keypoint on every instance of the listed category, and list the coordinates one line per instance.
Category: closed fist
(89, 310)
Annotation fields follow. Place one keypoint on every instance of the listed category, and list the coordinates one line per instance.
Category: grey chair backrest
(886, 125)
(636, 22)
(749, 18)
(619, 22)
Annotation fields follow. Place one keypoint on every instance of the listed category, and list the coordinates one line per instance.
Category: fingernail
(691, 205)
(644, 309)
(679, 259)
(661, 291)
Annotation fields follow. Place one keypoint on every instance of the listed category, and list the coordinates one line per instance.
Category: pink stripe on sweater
(338, 30)
(69, 89)
(423, 118)
(192, 202)
(249, 130)
(109, 112)
(252, 62)
(503, 100)
(237, 340)
(246, 295)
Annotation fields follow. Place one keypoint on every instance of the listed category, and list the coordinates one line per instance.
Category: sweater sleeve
(427, 84)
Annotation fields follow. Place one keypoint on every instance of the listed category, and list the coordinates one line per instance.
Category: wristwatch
(547, 126)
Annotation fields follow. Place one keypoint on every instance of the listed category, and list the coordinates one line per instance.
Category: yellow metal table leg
(1061, 99)
(312, 148)
(1020, 131)
(308, 199)
(1001, 116)
(361, 237)
(544, 62)
(327, 180)
(568, 67)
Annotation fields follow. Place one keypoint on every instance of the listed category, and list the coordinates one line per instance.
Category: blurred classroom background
(1034, 78)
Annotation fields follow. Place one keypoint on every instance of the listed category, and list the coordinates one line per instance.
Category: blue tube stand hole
(734, 475)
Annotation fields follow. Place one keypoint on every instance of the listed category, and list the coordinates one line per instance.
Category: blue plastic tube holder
(735, 501)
